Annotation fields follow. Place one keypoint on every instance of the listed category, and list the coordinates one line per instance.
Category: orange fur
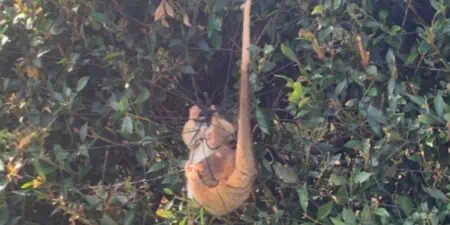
(219, 178)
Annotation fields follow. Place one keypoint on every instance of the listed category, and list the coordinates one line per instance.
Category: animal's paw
(213, 108)
(194, 112)
(192, 171)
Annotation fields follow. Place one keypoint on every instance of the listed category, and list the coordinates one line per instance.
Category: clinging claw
(194, 112)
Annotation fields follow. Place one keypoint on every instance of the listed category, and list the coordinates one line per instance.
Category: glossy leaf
(361, 177)
(303, 197)
(324, 210)
(82, 83)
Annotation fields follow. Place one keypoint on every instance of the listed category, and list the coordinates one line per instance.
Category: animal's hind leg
(193, 170)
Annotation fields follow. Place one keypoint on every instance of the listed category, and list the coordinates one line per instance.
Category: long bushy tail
(245, 170)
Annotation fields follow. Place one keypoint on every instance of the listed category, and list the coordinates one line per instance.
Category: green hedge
(349, 109)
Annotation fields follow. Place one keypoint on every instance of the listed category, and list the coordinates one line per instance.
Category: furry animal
(219, 178)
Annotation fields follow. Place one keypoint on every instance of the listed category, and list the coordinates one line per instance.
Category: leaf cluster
(350, 109)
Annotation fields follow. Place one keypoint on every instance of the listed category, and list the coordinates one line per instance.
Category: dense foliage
(350, 113)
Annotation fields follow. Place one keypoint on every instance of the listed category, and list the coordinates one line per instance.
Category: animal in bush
(219, 178)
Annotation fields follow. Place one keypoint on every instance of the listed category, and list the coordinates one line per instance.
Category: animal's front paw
(194, 112)
(213, 108)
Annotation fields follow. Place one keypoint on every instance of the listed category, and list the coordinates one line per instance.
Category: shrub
(349, 109)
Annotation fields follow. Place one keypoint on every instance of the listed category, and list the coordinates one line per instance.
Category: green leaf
(337, 221)
(439, 104)
(82, 83)
(342, 195)
(27, 185)
(268, 49)
(429, 119)
(338, 180)
(367, 215)
(391, 88)
(83, 150)
(143, 96)
(187, 69)
(285, 173)
(303, 197)
(216, 40)
(436, 193)
(319, 9)
(157, 166)
(289, 53)
(168, 191)
(170, 179)
(83, 132)
(412, 57)
(42, 167)
(324, 210)
(395, 29)
(435, 4)
(372, 71)
(340, 87)
(219, 5)
(297, 94)
(4, 216)
(361, 177)
(214, 24)
(107, 220)
(376, 114)
(98, 17)
(381, 212)
(405, 203)
(353, 144)
(303, 102)
(127, 125)
(130, 217)
(92, 200)
(417, 99)
(262, 121)
(336, 4)
(349, 216)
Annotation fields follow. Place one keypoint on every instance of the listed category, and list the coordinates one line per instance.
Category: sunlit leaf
(318, 9)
